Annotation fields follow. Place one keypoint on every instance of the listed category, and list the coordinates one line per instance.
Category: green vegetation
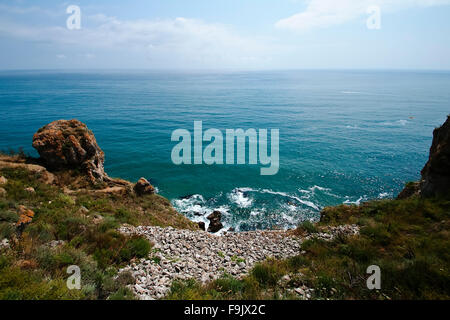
(408, 239)
(73, 229)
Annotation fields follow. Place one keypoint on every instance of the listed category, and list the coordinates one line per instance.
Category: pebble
(30, 190)
(4, 244)
(183, 254)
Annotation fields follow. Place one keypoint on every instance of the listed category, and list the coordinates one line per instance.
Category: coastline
(142, 248)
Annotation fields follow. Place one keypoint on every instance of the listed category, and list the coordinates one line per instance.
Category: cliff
(63, 209)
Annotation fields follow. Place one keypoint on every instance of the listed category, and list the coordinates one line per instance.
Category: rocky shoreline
(184, 254)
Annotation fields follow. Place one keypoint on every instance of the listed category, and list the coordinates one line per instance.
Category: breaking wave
(245, 208)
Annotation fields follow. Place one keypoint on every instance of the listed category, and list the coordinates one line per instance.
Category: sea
(345, 136)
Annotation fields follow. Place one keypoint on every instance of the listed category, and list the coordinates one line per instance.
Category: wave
(284, 194)
(351, 92)
(385, 195)
(246, 208)
(401, 122)
(240, 198)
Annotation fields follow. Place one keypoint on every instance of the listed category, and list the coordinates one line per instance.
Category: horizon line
(211, 70)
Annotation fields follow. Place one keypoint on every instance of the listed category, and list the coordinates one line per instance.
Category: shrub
(267, 274)
(308, 226)
(138, 247)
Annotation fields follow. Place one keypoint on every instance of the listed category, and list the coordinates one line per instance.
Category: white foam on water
(255, 213)
(384, 195)
(351, 92)
(395, 123)
(314, 188)
(239, 198)
(357, 202)
(284, 194)
(352, 127)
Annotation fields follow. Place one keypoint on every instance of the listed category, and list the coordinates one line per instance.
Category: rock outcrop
(25, 217)
(70, 144)
(436, 173)
(143, 187)
(15, 162)
(201, 225)
(214, 222)
(435, 176)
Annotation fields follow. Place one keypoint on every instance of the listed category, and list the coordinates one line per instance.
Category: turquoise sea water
(345, 136)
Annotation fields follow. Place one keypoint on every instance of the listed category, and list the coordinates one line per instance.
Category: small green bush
(308, 226)
(138, 247)
(266, 274)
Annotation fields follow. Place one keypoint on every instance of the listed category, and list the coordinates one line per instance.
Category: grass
(32, 269)
(408, 239)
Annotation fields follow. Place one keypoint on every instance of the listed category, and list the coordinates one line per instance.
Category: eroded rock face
(143, 187)
(436, 173)
(70, 144)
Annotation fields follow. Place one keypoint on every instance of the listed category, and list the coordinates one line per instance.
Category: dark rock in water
(436, 173)
(231, 229)
(196, 213)
(215, 224)
(143, 187)
(70, 144)
(202, 226)
(189, 196)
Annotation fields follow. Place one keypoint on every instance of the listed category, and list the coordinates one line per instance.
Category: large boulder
(70, 144)
(436, 173)
(214, 222)
(143, 187)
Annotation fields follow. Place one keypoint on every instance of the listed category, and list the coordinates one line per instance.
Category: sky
(225, 34)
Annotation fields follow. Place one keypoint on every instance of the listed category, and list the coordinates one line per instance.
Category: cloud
(327, 13)
(161, 42)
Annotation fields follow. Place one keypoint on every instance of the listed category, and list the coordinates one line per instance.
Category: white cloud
(166, 42)
(327, 13)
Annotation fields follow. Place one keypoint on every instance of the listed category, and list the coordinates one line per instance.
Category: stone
(201, 225)
(30, 190)
(55, 243)
(215, 224)
(186, 254)
(4, 244)
(83, 210)
(3, 180)
(143, 187)
(70, 144)
(97, 219)
(27, 264)
(299, 291)
(25, 216)
(2, 192)
(435, 179)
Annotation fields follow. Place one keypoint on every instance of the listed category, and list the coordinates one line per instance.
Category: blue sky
(225, 34)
